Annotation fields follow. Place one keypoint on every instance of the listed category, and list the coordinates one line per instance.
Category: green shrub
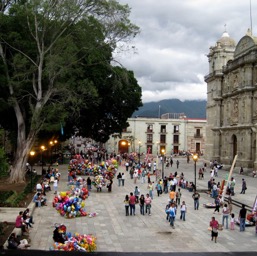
(4, 166)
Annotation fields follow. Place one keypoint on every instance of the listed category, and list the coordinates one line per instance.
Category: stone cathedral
(232, 101)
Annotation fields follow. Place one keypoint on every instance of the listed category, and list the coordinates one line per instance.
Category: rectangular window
(175, 149)
(149, 138)
(150, 128)
(163, 128)
(176, 129)
(149, 149)
(163, 139)
(175, 139)
(198, 132)
(198, 147)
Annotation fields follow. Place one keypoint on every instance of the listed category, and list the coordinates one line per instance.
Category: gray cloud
(170, 59)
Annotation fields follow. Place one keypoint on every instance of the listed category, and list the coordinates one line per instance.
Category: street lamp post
(195, 158)
(157, 154)
(55, 149)
(163, 153)
(43, 148)
(139, 146)
(32, 153)
(51, 145)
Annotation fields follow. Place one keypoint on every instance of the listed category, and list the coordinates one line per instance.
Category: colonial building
(232, 101)
(172, 133)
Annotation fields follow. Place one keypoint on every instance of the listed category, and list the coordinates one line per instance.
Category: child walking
(232, 221)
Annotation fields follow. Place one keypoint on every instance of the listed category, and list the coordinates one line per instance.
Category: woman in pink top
(20, 224)
(148, 202)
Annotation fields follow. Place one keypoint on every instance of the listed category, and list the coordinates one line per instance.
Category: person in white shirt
(39, 187)
(183, 209)
(122, 179)
(55, 185)
(135, 175)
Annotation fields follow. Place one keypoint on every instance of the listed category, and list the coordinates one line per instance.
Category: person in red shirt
(214, 224)
(132, 204)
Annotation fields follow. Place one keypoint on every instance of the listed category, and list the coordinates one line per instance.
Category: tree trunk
(18, 172)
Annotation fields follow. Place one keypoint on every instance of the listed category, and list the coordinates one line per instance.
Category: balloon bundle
(99, 181)
(76, 242)
(69, 206)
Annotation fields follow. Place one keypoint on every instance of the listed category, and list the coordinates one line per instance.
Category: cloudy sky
(170, 58)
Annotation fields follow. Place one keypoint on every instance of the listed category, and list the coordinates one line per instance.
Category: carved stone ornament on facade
(235, 111)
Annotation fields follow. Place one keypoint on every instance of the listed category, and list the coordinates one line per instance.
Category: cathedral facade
(232, 101)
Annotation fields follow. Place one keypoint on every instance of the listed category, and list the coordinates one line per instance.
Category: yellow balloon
(62, 193)
(82, 204)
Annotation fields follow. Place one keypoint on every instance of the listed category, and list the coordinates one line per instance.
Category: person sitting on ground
(40, 199)
(19, 223)
(46, 186)
(14, 243)
(39, 187)
(27, 218)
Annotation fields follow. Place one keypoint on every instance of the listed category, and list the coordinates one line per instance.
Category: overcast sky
(170, 59)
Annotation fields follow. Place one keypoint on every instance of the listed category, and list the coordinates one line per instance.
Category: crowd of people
(147, 174)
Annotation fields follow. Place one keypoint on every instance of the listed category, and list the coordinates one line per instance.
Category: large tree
(45, 48)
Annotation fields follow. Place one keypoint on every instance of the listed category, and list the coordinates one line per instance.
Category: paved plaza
(116, 232)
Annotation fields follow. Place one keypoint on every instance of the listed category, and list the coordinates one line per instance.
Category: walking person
(150, 188)
(158, 188)
(217, 205)
(132, 204)
(143, 176)
(126, 202)
(165, 185)
(142, 204)
(196, 197)
(148, 202)
(241, 217)
(55, 185)
(137, 193)
(243, 187)
(119, 179)
(149, 177)
(89, 182)
(214, 224)
(177, 163)
(178, 197)
(225, 214)
(172, 196)
(131, 172)
(172, 214)
(127, 166)
(135, 176)
(123, 179)
(109, 185)
(183, 209)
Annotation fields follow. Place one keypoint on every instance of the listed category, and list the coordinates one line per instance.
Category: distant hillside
(191, 108)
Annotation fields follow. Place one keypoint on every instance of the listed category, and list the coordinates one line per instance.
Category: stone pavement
(116, 232)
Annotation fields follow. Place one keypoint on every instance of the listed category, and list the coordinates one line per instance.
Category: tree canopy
(55, 67)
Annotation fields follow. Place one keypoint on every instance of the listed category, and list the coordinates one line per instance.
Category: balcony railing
(198, 136)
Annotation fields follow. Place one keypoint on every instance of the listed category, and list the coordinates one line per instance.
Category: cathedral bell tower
(218, 57)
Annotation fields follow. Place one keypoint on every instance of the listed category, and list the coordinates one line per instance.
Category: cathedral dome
(226, 40)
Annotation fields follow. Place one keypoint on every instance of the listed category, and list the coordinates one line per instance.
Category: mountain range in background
(191, 108)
